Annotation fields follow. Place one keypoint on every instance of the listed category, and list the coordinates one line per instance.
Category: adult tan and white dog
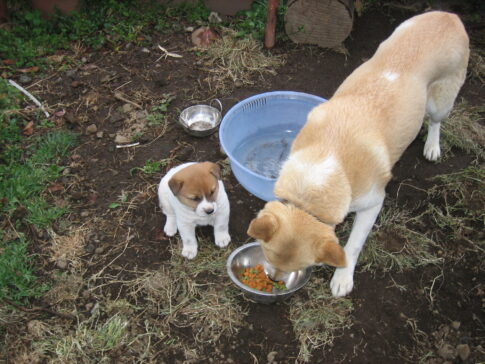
(341, 160)
(190, 195)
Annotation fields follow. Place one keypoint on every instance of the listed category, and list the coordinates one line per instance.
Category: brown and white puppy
(191, 195)
(341, 160)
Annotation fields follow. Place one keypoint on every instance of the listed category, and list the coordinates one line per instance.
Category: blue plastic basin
(282, 112)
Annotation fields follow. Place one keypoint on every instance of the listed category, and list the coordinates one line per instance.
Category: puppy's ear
(215, 170)
(263, 227)
(175, 185)
(329, 251)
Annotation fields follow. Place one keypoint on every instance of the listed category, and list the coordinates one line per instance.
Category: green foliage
(17, 280)
(196, 11)
(158, 115)
(253, 21)
(98, 23)
(151, 167)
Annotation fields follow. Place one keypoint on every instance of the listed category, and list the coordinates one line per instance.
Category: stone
(91, 129)
(24, 79)
(447, 352)
(61, 263)
(99, 135)
(271, 356)
(71, 73)
(127, 108)
(463, 351)
(121, 139)
(456, 325)
(99, 250)
(85, 213)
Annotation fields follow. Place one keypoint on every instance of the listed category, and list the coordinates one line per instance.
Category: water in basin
(265, 151)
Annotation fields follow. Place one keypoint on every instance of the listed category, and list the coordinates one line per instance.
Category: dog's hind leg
(441, 97)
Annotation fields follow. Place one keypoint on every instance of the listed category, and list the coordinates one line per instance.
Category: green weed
(158, 113)
(253, 22)
(18, 282)
(151, 167)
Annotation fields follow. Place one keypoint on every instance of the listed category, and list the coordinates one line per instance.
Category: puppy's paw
(222, 239)
(189, 252)
(431, 151)
(170, 229)
(342, 282)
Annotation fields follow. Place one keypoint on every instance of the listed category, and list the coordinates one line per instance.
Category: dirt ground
(408, 315)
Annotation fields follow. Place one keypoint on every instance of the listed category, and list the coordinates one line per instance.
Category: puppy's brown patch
(196, 182)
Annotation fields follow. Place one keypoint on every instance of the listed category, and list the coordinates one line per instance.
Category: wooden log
(326, 23)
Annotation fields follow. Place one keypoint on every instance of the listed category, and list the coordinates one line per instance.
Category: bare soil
(389, 323)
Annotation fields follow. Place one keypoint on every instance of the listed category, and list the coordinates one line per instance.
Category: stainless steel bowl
(249, 255)
(201, 120)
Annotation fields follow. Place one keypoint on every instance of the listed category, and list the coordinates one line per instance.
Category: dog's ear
(329, 251)
(215, 170)
(175, 185)
(263, 227)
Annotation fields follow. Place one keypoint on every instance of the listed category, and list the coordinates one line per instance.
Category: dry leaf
(55, 187)
(28, 129)
(29, 70)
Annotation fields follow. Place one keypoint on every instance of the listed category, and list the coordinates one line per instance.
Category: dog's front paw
(222, 239)
(342, 282)
(170, 228)
(189, 252)
(431, 151)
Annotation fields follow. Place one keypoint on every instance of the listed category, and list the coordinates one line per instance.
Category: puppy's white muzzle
(206, 208)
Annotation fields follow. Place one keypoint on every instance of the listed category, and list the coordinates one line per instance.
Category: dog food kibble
(256, 278)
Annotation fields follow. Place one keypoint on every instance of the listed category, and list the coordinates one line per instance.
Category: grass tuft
(319, 318)
(464, 131)
(233, 60)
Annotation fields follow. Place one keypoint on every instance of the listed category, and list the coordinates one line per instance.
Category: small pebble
(447, 352)
(463, 351)
(85, 213)
(99, 250)
(456, 325)
(91, 129)
(24, 79)
(61, 263)
(99, 134)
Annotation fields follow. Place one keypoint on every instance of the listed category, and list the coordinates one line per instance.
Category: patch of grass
(90, 342)
(318, 318)
(151, 167)
(463, 130)
(181, 294)
(31, 38)
(18, 282)
(158, 114)
(461, 214)
(237, 61)
(396, 245)
(26, 166)
(23, 179)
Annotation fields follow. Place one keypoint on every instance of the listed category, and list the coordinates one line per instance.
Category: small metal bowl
(249, 255)
(201, 120)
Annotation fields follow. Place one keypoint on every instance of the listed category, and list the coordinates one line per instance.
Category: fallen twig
(29, 95)
(119, 96)
(128, 145)
(167, 54)
(39, 309)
